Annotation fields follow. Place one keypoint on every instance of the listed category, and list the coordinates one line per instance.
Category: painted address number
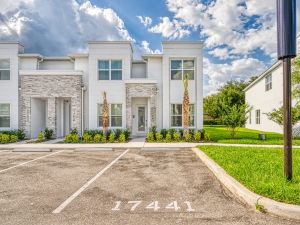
(155, 206)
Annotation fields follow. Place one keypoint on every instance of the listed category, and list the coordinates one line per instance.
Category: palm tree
(105, 113)
(186, 105)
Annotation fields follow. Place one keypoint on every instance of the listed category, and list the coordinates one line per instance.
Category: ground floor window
(250, 119)
(177, 115)
(4, 115)
(115, 115)
(257, 119)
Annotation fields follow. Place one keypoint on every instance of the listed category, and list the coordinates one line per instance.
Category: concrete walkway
(134, 143)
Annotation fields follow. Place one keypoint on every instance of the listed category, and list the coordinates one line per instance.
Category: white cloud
(145, 20)
(221, 53)
(145, 48)
(59, 27)
(240, 69)
(225, 22)
(169, 29)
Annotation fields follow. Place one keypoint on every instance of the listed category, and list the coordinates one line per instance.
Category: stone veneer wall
(141, 91)
(50, 87)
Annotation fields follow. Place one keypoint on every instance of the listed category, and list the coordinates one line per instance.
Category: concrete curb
(245, 195)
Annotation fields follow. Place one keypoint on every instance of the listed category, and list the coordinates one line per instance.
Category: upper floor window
(177, 115)
(257, 119)
(4, 115)
(268, 82)
(180, 67)
(4, 69)
(110, 69)
(115, 115)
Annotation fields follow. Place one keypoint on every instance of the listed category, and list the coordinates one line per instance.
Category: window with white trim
(4, 69)
(177, 115)
(4, 115)
(115, 115)
(268, 82)
(180, 67)
(257, 118)
(110, 69)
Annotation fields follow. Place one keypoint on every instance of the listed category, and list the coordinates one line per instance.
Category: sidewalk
(134, 143)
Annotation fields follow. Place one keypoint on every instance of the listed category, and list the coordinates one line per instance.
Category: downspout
(82, 105)
(38, 63)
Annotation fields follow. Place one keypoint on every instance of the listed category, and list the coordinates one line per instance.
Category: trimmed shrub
(48, 133)
(97, 138)
(207, 137)
(172, 131)
(41, 136)
(153, 129)
(126, 132)
(122, 138)
(69, 138)
(164, 132)
(181, 132)
(168, 137)
(103, 139)
(4, 138)
(87, 138)
(197, 136)
(159, 137)
(176, 136)
(13, 138)
(20, 134)
(111, 138)
(117, 133)
(74, 131)
(188, 137)
(75, 138)
(150, 137)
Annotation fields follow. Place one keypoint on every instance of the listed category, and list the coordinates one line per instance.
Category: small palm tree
(105, 113)
(186, 105)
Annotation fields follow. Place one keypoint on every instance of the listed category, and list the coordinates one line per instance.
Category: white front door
(142, 119)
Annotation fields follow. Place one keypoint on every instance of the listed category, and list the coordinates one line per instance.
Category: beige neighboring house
(62, 93)
(265, 94)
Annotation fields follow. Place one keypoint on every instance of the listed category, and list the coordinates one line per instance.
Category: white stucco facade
(261, 98)
(141, 92)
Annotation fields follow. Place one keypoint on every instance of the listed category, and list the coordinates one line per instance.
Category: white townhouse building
(63, 93)
(265, 94)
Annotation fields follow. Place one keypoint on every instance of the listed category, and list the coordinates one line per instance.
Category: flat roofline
(112, 42)
(79, 55)
(57, 58)
(11, 42)
(29, 55)
(152, 55)
(182, 42)
(267, 71)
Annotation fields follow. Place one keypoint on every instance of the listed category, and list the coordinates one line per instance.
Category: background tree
(234, 117)
(186, 106)
(276, 115)
(105, 112)
(227, 96)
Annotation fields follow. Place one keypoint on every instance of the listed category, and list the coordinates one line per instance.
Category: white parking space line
(24, 163)
(78, 192)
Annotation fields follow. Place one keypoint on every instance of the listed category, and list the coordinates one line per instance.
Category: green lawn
(260, 170)
(244, 136)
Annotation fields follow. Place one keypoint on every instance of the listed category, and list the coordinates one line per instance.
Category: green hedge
(96, 136)
(173, 135)
(11, 136)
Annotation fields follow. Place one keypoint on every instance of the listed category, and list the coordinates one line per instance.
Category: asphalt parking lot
(116, 187)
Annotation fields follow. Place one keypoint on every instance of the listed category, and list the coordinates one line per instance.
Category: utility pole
(286, 48)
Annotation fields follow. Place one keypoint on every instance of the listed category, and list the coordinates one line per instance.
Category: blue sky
(239, 35)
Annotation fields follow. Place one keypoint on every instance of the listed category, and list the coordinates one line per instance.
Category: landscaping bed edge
(243, 194)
